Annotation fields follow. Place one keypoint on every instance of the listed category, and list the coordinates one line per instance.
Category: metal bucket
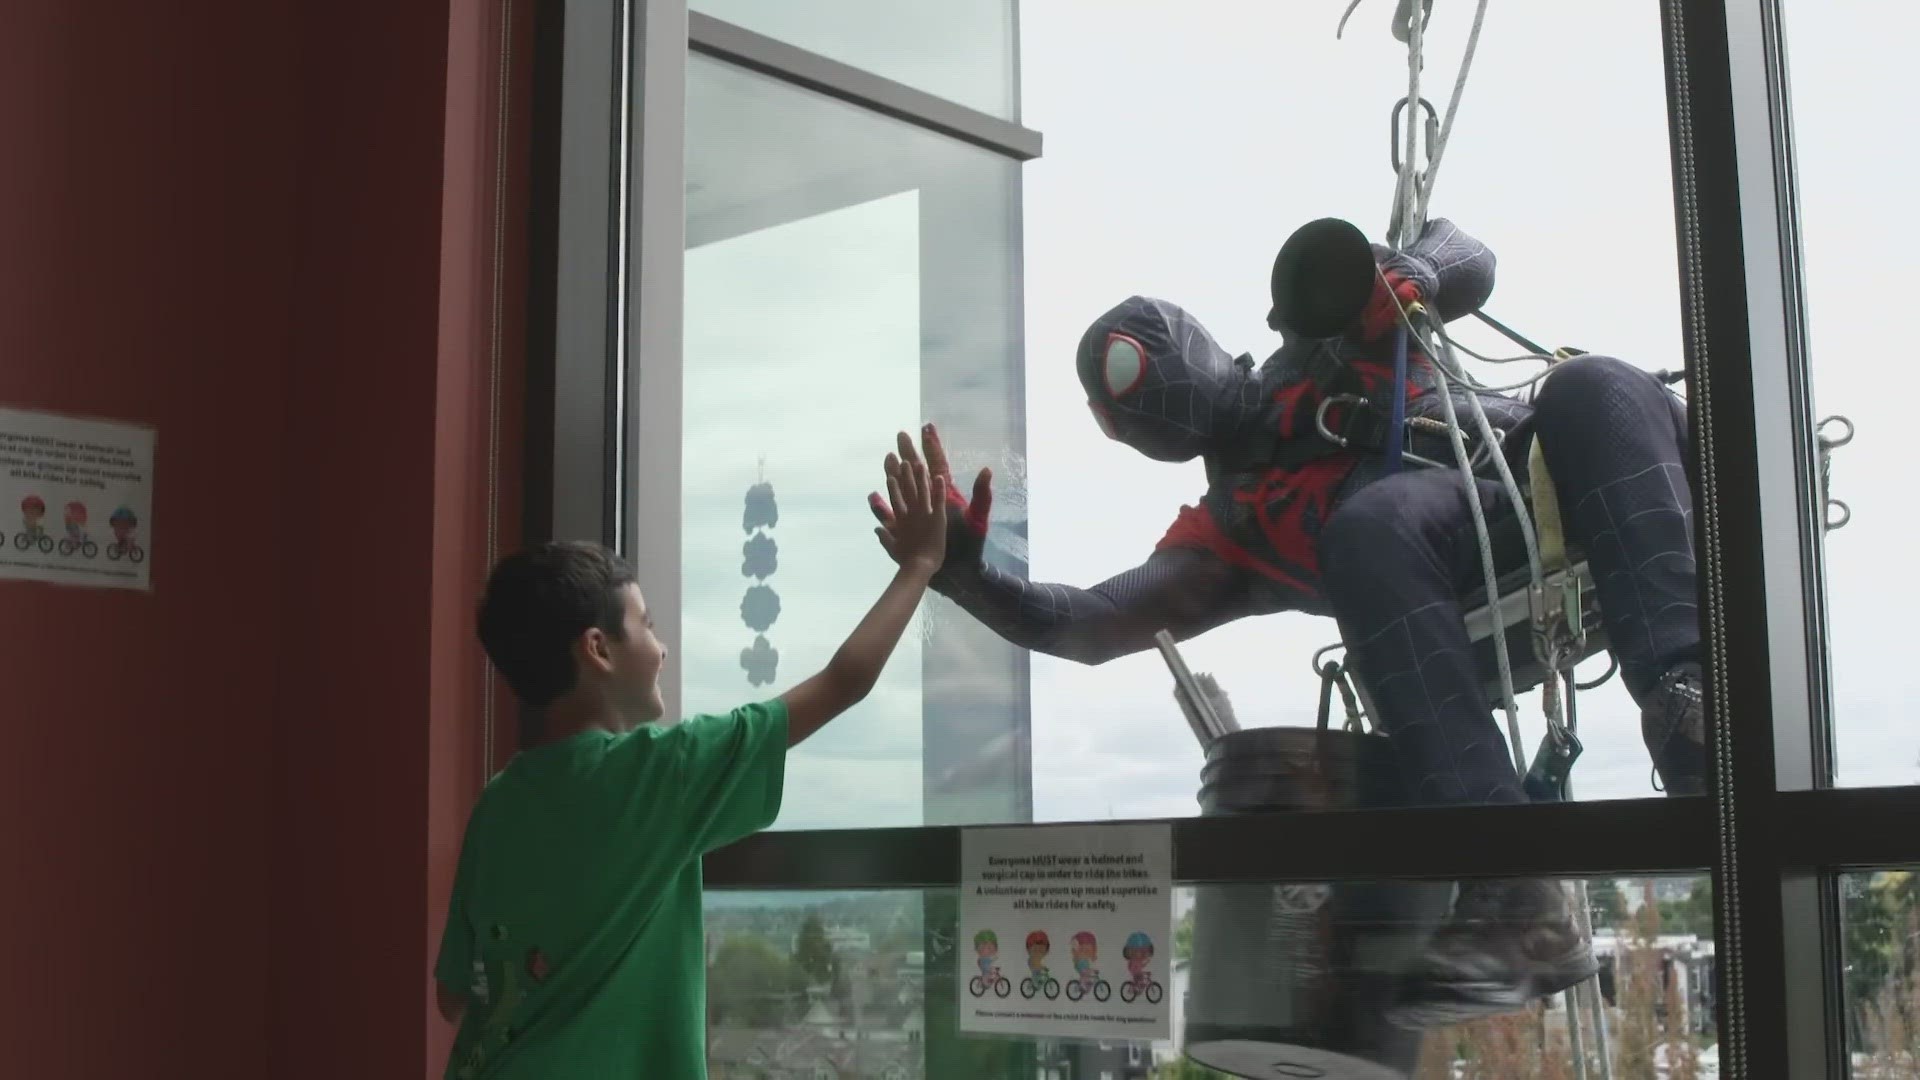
(1293, 980)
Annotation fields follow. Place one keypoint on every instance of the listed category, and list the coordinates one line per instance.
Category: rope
(1509, 701)
(1413, 194)
(1453, 105)
(1457, 438)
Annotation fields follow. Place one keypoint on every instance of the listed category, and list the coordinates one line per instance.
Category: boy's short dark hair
(539, 602)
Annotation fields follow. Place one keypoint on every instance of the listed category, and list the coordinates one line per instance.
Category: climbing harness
(1361, 427)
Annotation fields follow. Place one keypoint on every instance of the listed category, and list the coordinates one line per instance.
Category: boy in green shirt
(574, 945)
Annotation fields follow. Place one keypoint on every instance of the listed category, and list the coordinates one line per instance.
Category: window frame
(605, 335)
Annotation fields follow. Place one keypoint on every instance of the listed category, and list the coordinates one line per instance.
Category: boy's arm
(850, 676)
(916, 538)
(1184, 587)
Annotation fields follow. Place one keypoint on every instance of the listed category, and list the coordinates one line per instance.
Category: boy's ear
(592, 650)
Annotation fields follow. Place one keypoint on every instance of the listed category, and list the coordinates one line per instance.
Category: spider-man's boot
(1507, 943)
(1673, 721)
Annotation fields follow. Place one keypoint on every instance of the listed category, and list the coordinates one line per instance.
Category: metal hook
(1846, 515)
(1826, 441)
(1827, 445)
(1432, 130)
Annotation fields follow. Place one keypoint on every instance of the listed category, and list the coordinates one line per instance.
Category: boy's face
(629, 670)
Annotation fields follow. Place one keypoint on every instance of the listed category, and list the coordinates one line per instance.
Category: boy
(574, 943)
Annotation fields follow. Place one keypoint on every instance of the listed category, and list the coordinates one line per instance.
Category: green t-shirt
(575, 925)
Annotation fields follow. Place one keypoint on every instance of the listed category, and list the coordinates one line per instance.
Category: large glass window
(1266, 979)
(1182, 185)
(1880, 919)
(853, 270)
(847, 276)
(1848, 77)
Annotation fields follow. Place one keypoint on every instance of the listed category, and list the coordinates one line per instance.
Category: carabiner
(1432, 130)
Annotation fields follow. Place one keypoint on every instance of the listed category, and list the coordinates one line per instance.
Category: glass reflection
(1264, 980)
(845, 274)
(1847, 70)
(1880, 938)
(961, 52)
(1175, 484)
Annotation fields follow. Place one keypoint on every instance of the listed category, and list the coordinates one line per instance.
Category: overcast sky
(1183, 144)
(1180, 150)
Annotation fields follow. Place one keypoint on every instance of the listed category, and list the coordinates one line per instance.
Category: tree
(1880, 926)
(1653, 1023)
(1183, 937)
(749, 984)
(813, 953)
(1609, 909)
(1691, 914)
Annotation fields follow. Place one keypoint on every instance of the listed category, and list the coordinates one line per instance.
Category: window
(1846, 78)
(840, 229)
(1182, 187)
(781, 995)
(846, 276)
(1880, 919)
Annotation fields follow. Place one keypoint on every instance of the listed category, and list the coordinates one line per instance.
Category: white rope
(1453, 108)
(1413, 194)
(1485, 359)
(1464, 462)
(1508, 699)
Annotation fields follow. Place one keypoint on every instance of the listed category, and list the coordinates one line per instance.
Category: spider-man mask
(1157, 381)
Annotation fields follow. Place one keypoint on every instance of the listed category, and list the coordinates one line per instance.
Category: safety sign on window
(1066, 931)
(76, 500)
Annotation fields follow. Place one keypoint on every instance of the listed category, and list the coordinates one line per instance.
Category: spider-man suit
(1293, 522)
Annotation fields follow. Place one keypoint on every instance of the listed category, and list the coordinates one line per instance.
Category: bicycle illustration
(993, 981)
(1042, 983)
(1089, 983)
(124, 546)
(1138, 952)
(1146, 987)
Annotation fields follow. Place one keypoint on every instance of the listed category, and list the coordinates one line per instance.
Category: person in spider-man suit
(1293, 522)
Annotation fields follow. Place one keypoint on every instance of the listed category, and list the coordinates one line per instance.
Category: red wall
(143, 276)
(229, 807)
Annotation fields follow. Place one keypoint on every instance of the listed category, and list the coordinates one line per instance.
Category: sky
(1183, 143)
(1180, 151)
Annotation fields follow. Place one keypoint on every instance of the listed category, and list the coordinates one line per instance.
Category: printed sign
(1070, 930)
(76, 500)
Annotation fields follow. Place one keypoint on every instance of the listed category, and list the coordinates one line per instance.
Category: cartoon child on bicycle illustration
(124, 523)
(77, 539)
(986, 949)
(1039, 980)
(1087, 978)
(1138, 952)
(33, 509)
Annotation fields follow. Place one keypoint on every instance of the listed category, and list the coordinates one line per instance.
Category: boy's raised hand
(913, 527)
(967, 519)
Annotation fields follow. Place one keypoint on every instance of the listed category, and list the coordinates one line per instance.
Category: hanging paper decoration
(759, 558)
